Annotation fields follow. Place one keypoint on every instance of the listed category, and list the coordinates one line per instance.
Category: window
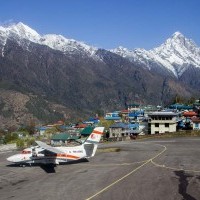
(156, 124)
(166, 124)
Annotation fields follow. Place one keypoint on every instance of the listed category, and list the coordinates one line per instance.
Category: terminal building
(162, 122)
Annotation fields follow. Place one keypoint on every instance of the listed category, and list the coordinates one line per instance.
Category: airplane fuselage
(42, 157)
(46, 154)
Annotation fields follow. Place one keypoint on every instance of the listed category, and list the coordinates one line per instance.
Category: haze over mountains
(70, 77)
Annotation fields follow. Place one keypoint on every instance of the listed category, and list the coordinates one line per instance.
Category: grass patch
(185, 133)
(108, 150)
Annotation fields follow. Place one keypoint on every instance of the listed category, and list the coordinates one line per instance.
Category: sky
(108, 23)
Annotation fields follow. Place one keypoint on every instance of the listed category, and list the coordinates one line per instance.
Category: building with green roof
(87, 131)
(63, 138)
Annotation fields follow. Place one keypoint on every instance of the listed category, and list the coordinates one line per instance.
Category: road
(167, 169)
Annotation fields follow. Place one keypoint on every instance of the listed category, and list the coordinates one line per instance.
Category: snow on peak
(63, 44)
(122, 51)
(179, 52)
(176, 54)
(24, 29)
(177, 34)
(20, 31)
(54, 41)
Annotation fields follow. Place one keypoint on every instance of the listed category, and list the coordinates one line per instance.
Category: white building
(196, 123)
(162, 122)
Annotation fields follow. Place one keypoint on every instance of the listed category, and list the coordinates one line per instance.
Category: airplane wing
(48, 147)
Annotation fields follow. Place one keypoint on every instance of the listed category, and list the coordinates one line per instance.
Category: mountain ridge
(176, 54)
(21, 31)
(82, 80)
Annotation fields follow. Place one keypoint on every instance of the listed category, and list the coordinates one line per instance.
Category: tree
(11, 137)
(52, 130)
(106, 123)
(178, 99)
(31, 127)
(99, 113)
(20, 143)
(191, 100)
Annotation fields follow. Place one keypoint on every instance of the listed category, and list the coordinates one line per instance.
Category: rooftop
(163, 114)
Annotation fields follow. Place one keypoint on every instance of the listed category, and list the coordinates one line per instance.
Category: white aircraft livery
(46, 154)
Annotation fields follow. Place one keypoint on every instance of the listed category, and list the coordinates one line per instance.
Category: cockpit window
(26, 152)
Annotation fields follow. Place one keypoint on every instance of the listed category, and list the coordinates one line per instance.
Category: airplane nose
(10, 159)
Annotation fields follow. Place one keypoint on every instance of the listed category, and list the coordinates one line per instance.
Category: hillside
(81, 80)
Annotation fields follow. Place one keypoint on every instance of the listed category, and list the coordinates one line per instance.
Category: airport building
(162, 122)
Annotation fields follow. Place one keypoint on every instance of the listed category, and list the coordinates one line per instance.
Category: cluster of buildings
(73, 134)
(133, 121)
(137, 120)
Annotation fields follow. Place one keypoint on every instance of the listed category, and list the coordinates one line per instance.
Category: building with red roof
(196, 123)
(189, 114)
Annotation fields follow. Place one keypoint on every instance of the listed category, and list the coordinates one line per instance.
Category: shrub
(11, 137)
(30, 142)
(20, 143)
(24, 143)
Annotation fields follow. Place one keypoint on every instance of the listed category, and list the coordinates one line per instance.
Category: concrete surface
(167, 169)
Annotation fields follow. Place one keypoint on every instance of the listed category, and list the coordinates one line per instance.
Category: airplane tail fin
(90, 145)
(95, 136)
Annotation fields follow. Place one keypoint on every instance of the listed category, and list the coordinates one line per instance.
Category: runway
(147, 169)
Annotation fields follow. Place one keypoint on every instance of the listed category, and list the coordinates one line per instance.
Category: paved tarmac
(167, 169)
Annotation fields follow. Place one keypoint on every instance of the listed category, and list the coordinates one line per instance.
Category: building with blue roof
(121, 129)
(178, 106)
(112, 116)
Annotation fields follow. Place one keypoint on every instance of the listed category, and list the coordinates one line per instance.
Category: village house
(133, 107)
(196, 123)
(61, 139)
(118, 130)
(113, 116)
(123, 130)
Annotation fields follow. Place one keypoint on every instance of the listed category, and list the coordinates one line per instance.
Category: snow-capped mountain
(85, 79)
(58, 42)
(20, 32)
(176, 55)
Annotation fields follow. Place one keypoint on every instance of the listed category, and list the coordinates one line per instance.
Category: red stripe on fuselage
(66, 156)
(97, 132)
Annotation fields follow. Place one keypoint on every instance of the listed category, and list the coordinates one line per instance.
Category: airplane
(44, 154)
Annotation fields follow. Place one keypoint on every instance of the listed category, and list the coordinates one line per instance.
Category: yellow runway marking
(125, 176)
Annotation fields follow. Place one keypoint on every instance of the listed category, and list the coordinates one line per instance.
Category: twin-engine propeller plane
(45, 154)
